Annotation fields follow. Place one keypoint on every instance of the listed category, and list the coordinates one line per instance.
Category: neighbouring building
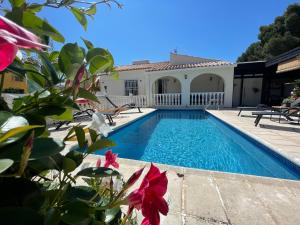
(183, 81)
(14, 84)
(267, 82)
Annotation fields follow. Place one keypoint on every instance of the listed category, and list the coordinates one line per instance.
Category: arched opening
(207, 83)
(166, 85)
(207, 89)
(166, 91)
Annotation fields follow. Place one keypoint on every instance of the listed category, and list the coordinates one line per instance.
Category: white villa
(183, 81)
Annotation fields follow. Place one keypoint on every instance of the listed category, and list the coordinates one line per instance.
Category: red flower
(98, 163)
(79, 76)
(110, 159)
(149, 196)
(134, 177)
(12, 37)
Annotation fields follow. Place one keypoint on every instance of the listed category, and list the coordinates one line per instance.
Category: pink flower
(98, 163)
(12, 37)
(110, 159)
(134, 177)
(149, 196)
(79, 76)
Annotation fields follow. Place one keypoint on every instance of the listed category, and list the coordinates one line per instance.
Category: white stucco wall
(172, 85)
(225, 72)
(117, 87)
(147, 80)
(207, 83)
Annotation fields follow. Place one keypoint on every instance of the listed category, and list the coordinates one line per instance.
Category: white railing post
(202, 99)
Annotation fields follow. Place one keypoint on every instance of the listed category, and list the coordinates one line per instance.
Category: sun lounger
(125, 106)
(288, 114)
(259, 107)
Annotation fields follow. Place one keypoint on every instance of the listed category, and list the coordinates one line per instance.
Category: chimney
(140, 62)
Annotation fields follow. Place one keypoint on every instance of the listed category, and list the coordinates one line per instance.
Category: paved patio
(199, 197)
(283, 137)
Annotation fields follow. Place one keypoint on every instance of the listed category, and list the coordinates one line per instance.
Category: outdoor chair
(287, 113)
(125, 106)
(259, 107)
(85, 111)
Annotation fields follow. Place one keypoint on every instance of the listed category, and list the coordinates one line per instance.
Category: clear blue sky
(150, 29)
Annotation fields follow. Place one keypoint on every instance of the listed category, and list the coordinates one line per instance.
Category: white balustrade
(202, 99)
(207, 98)
(170, 99)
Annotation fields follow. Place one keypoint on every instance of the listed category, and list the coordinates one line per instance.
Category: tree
(280, 36)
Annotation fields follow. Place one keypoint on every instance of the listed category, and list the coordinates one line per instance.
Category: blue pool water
(195, 139)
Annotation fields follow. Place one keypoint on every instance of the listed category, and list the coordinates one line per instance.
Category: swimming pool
(196, 139)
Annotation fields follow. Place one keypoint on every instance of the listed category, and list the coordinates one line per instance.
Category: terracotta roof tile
(160, 66)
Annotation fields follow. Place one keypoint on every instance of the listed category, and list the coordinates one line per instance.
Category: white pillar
(185, 91)
(148, 90)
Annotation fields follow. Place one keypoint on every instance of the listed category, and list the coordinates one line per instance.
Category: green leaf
(54, 56)
(92, 10)
(54, 162)
(68, 165)
(5, 164)
(8, 122)
(20, 215)
(98, 172)
(80, 17)
(83, 93)
(110, 214)
(87, 43)
(99, 60)
(80, 192)
(33, 74)
(49, 68)
(42, 147)
(76, 213)
(115, 75)
(16, 3)
(52, 217)
(68, 2)
(93, 134)
(70, 133)
(4, 116)
(70, 59)
(40, 26)
(77, 157)
(34, 8)
(80, 135)
(100, 144)
(15, 134)
(67, 115)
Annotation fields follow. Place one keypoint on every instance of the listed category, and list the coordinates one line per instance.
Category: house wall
(225, 72)
(207, 83)
(172, 85)
(117, 87)
(184, 76)
(10, 82)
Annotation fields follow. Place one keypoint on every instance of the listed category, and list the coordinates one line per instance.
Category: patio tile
(172, 219)
(240, 203)
(174, 194)
(283, 205)
(201, 198)
(189, 220)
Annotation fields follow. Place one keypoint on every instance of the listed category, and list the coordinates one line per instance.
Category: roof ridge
(199, 57)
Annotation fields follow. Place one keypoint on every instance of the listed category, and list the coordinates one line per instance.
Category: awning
(289, 65)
